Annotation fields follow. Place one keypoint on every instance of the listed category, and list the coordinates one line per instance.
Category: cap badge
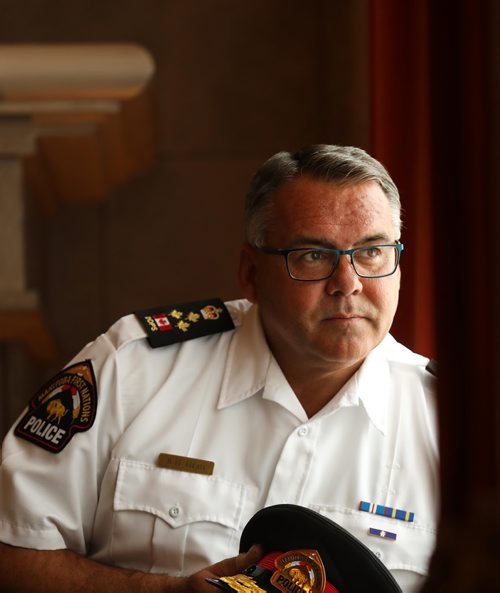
(299, 571)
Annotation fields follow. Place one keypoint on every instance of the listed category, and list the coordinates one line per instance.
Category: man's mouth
(347, 315)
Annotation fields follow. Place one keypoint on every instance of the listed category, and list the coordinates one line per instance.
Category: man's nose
(344, 279)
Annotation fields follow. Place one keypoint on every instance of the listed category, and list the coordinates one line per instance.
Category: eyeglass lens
(316, 264)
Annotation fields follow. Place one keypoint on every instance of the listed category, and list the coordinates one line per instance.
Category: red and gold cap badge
(299, 571)
(296, 571)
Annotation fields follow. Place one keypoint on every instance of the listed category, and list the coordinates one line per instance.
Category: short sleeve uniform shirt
(223, 399)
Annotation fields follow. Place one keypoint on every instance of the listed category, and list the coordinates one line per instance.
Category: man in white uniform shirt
(137, 467)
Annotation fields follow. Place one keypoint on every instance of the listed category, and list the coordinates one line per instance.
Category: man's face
(333, 323)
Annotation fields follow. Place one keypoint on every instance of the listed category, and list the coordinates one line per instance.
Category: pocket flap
(179, 498)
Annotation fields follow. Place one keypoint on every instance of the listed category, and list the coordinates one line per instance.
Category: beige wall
(235, 82)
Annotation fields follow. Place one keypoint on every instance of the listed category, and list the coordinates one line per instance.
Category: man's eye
(371, 252)
(314, 256)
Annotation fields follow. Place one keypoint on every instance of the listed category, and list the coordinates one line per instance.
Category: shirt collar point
(227, 399)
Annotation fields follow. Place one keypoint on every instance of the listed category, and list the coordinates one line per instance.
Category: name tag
(186, 464)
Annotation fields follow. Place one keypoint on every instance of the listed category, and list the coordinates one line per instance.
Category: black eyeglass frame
(338, 252)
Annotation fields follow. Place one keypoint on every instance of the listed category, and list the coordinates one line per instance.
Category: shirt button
(174, 512)
(378, 554)
(303, 430)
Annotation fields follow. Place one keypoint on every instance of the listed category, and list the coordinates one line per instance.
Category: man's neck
(314, 390)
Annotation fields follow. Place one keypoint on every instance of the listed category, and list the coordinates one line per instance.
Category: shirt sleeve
(48, 498)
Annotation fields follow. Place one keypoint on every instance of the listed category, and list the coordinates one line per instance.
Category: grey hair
(342, 165)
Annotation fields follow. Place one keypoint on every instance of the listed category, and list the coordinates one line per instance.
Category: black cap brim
(349, 564)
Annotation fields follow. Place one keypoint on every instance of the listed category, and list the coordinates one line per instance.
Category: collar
(248, 346)
(373, 384)
(260, 371)
(369, 386)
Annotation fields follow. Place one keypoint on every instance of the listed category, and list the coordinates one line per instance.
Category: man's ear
(247, 272)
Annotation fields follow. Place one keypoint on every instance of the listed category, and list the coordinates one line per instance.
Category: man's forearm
(24, 570)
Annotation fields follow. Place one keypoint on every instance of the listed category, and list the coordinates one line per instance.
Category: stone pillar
(75, 123)
(21, 319)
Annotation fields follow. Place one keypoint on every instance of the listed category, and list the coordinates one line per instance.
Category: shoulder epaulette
(432, 367)
(171, 324)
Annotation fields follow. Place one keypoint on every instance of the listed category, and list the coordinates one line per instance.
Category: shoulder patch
(432, 367)
(65, 405)
(171, 324)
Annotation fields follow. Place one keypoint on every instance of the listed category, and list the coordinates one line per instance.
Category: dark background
(234, 83)
(415, 82)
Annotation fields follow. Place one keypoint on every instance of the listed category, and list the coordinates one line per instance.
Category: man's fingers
(197, 583)
(246, 559)
(235, 565)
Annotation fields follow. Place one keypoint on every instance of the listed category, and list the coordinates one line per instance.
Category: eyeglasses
(319, 263)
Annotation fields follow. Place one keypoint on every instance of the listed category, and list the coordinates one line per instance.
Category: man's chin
(346, 352)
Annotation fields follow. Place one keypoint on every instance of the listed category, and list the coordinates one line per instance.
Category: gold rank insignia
(183, 326)
(241, 583)
(211, 312)
(181, 322)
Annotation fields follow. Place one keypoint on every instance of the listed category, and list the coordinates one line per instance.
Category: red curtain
(431, 127)
(400, 137)
(434, 84)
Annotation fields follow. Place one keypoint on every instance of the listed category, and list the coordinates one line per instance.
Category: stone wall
(234, 83)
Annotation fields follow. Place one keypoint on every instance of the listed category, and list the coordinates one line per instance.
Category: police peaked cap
(349, 566)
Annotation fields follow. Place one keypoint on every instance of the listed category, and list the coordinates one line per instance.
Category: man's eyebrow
(378, 238)
(306, 241)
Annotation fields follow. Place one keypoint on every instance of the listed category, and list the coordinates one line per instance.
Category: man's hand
(231, 566)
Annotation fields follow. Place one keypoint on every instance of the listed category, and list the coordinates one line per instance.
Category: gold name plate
(186, 464)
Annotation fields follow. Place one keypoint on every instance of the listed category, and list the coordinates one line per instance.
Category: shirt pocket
(173, 522)
(407, 556)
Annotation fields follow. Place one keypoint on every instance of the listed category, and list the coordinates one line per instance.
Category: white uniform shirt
(223, 398)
